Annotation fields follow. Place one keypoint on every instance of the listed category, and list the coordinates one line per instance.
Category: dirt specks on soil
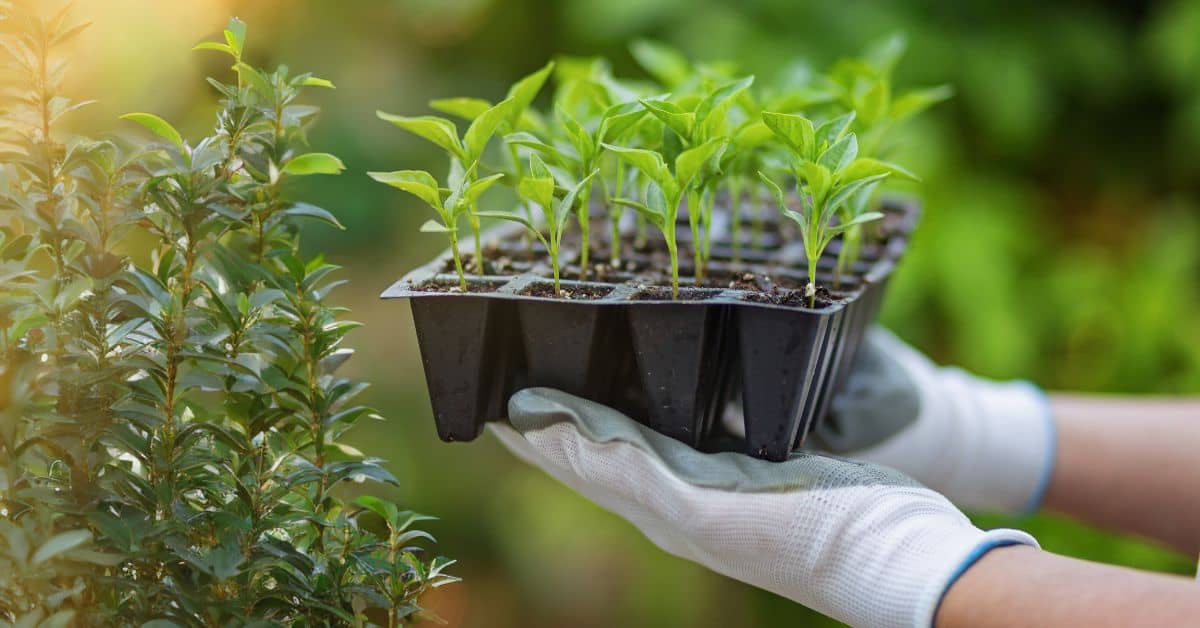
(791, 298)
(569, 293)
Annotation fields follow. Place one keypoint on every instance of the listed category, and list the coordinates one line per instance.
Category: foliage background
(1061, 241)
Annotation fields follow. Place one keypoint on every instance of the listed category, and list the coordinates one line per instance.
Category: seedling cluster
(695, 137)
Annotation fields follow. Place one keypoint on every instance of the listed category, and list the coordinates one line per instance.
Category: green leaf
(433, 226)
(551, 153)
(857, 220)
(538, 189)
(618, 120)
(817, 179)
(419, 183)
(483, 128)
(775, 190)
(585, 145)
(868, 167)
(568, 202)
(60, 543)
(255, 79)
(649, 162)
(440, 131)
(796, 132)
(885, 54)
(304, 210)
(656, 218)
(465, 108)
(314, 81)
(840, 154)
(511, 217)
(712, 111)
(478, 187)
(669, 66)
(913, 102)
(524, 91)
(313, 163)
(833, 130)
(691, 163)
(843, 193)
(386, 510)
(680, 121)
(217, 46)
(158, 126)
(235, 35)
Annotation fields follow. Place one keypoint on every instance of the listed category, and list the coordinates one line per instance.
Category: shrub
(170, 410)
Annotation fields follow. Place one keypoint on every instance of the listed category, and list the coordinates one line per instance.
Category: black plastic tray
(673, 364)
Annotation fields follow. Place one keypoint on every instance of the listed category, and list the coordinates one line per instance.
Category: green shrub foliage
(170, 410)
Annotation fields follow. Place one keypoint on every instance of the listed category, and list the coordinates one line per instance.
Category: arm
(1129, 464)
(1023, 586)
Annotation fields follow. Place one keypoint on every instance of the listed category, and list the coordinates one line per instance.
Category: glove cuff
(963, 556)
(1009, 447)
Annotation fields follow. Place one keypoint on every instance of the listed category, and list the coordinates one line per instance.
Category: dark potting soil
(657, 293)
(792, 298)
(572, 293)
(448, 286)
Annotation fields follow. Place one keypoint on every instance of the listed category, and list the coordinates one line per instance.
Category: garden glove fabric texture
(983, 444)
(858, 542)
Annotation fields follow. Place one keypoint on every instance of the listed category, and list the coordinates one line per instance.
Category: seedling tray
(674, 364)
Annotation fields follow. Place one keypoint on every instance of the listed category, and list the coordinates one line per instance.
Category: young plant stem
(669, 234)
(615, 212)
(851, 242)
(458, 265)
(474, 220)
(585, 200)
(519, 171)
(760, 213)
(708, 199)
(694, 210)
(735, 216)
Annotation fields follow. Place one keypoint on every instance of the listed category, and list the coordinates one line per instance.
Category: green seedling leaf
(477, 188)
(483, 128)
(712, 112)
(584, 145)
(217, 46)
(850, 188)
(620, 119)
(511, 217)
(439, 131)
(680, 121)
(524, 91)
(818, 179)
(465, 108)
(691, 163)
(649, 162)
(854, 222)
(314, 163)
(667, 65)
(840, 154)
(433, 226)
(255, 79)
(868, 167)
(419, 183)
(158, 126)
(567, 204)
(796, 132)
(833, 130)
(656, 218)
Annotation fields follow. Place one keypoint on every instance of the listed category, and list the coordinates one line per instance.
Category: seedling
(661, 206)
(706, 121)
(465, 153)
(828, 174)
(538, 187)
(580, 156)
(462, 200)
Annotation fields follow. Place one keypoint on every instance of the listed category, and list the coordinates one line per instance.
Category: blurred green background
(1061, 241)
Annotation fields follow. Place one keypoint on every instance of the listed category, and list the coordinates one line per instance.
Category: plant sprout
(828, 173)
(461, 201)
(465, 153)
(538, 187)
(662, 208)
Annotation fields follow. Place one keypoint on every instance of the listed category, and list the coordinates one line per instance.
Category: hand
(985, 445)
(860, 543)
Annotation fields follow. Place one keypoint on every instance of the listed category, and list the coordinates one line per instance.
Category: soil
(791, 298)
(451, 286)
(658, 293)
(572, 293)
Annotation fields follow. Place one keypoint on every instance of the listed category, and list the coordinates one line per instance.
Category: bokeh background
(1061, 241)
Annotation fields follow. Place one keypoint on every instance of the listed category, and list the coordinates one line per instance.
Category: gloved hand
(860, 543)
(983, 444)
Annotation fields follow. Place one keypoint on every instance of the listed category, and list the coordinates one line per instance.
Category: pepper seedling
(461, 200)
(828, 173)
(661, 207)
(465, 153)
(705, 122)
(538, 187)
(580, 155)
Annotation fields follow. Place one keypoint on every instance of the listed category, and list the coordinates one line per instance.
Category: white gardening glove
(860, 543)
(983, 444)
